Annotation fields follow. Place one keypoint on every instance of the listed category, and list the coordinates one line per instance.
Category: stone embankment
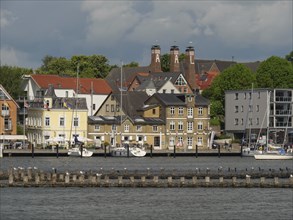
(32, 177)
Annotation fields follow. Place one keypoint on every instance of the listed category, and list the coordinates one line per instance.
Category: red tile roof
(100, 86)
(207, 83)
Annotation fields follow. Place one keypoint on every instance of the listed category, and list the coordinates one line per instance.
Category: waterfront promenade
(39, 152)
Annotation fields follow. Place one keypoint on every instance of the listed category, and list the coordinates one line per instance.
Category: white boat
(273, 157)
(75, 151)
(275, 154)
(133, 152)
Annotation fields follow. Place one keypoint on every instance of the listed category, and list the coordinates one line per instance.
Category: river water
(144, 203)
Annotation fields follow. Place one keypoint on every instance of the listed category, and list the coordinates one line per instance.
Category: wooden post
(207, 180)
(54, 178)
(74, 177)
(120, 180)
(247, 180)
(61, 177)
(262, 181)
(10, 179)
(170, 181)
(182, 180)
(105, 151)
(196, 151)
(156, 180)
(194, 180)
(57, 150)
(276, 181)
(67, 178)
(132, 180)
(81, 178)
(142, 179)
(25, 179)
(219, 151)
(221, 180)
(37, 178)
(234, 181)
(174, 153)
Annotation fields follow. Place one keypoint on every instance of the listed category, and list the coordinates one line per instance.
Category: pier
(250, 178)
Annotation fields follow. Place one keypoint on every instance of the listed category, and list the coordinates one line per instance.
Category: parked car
(215, 145)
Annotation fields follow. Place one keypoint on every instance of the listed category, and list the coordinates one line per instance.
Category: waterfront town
(142, 106)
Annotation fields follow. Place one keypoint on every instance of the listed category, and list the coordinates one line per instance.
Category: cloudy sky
(125, 30)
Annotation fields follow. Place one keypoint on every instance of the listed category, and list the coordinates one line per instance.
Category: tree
(165, 61)
(132, 64)
(11, 79)
(94, 66)
(235, 77)
(289, 57)
(275, 72)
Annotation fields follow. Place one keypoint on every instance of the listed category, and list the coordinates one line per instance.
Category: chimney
(190, 66)
(156, 59)
(174, 59)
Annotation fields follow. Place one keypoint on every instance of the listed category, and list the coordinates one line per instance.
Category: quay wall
(20, 177)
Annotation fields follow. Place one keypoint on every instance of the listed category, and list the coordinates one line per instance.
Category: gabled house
(56, 119)
(93, 90)
(8, 116)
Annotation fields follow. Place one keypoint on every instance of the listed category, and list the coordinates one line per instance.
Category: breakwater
(33, 177)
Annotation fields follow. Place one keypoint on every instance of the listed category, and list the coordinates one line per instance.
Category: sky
(124, 31)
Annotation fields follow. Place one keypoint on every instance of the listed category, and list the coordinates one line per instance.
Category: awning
(13, 137)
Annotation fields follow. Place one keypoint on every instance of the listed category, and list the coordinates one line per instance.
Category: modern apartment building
(253, 113)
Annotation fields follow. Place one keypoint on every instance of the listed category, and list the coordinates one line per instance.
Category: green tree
(275, 72)
(165, 61)
(235, 77)
(11, 79)
(132, 64)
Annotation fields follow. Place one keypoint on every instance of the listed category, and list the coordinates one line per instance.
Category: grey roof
(128, 74)
(179, 99)
(131, 101)
(148, 84)
(58, 103)
(200, 100)
(50, 92)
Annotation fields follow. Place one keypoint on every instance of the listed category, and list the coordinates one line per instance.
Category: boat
(75, 151)
(274, 153)
(123, 152)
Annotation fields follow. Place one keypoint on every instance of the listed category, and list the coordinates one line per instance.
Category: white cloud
(6, 18)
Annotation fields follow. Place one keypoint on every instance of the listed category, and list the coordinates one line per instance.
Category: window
(66, 94)
(250, 108)
(236, 108)
(61, 121)
(180, 140)
(199, 125)
(47, 121)
(172, 91)
(126, 128)
(94, 106)
(97, 127)
(171, 141)
(117, 108)
(236, 121)
(112, 108)
(154, 111)
(180, 111)
(257, 121)
(185, 90)
(236, 96)
(259, 95)
(155, 128)
(250, 95)
(250, 121)
(189, 126)
(114, 127)
(180, 81)
(241, 121)
(242, 109)
(156, 141)
(7, 124)
(164, 90)
(172, 110)
(199, 141)
(75, 122)
(200, 110)
(138, 128)
(172, 125)
(257, 108)
(190, 112)
(189, 141)
(190, 98)
(245, 95)
(180, 125)
(107, 108)
(112, 97)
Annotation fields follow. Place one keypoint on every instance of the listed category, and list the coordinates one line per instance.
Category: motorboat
(123, 152)
(75, 151)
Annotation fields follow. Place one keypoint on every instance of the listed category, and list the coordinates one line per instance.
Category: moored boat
(123, 152)
(75, 151)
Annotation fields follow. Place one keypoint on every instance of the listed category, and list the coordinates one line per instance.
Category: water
(144, 203)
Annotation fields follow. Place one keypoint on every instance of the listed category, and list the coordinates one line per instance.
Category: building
(248, 114)
(8, 117)
(162, 120)
(93, 90)
(56, 119)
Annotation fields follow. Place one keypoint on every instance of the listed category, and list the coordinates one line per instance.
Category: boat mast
(121, 101)
(268, 119)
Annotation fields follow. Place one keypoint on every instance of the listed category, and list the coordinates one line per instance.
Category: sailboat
(78, 149)
(272, 152)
